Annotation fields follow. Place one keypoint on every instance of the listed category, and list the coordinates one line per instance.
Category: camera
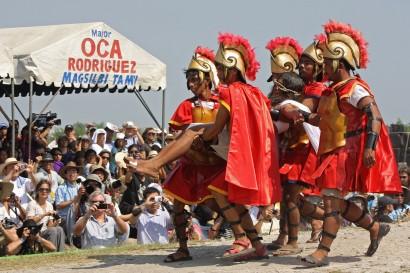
(23, 166)
(102, 206)
(56, 217)
(43, 120)
(158, 198)
(7, 223)
(34, 230)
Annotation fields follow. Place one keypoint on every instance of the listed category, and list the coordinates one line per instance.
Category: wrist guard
(137, 212)
(371, 140)
(274, 113)
(306, 115)
(208, 143)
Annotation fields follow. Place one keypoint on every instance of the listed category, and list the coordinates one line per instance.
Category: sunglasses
(151, 134)
(44, 189)
(105, 157)
(98, 202)
(399, 195)
(403, 177)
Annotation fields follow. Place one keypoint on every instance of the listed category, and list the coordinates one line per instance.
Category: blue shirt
(65, 192)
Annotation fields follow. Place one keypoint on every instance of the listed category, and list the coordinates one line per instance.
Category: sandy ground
(347, 255)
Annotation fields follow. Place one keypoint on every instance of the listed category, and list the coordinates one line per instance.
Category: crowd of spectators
(79, 193)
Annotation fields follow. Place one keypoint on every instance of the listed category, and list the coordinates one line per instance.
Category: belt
(353, 133)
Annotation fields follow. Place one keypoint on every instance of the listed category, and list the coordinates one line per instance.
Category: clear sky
(171, 30)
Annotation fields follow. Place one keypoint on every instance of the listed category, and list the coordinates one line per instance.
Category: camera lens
(89, 189)
(34, 230)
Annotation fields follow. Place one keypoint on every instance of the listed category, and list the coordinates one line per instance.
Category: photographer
(7, 227)
(29, 241)
(41, 211)
(151, 221)
(10, 171)
(99, 229)
(136, 184)
(69, 192)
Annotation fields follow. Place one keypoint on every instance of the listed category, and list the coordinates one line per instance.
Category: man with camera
(69, 192)
(29, 241)
(99, 229)
(151, 220)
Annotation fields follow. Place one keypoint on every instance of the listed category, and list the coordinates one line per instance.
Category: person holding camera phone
(152, 223)
(10, 171)
(29, 241)
(41, 211)
(101, 226)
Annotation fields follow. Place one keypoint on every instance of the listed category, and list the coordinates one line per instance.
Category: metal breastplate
(332, 124)
(295, 136)
(203, 114)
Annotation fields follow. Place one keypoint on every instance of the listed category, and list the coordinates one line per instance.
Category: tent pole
(30, 111)
(15, 104)
(163, 118)
(13, 123)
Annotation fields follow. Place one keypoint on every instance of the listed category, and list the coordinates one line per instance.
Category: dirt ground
(347, 255)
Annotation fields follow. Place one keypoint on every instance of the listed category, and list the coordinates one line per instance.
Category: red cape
(252, 170)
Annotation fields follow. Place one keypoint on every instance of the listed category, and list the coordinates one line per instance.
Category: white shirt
(153, 229)
(358, 93)
(35, 210)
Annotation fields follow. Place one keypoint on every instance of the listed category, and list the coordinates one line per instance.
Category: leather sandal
(259, 254)
(233, 253)
(313, 261)
(374, 243)
(171, 258)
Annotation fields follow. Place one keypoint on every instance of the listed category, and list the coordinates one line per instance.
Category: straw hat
(5, 189)
(10, 160)
(119, 157)
(94, 168)
(69, 165)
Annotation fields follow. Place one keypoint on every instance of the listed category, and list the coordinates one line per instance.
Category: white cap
(119, 136)
(130, 124)
(157, 186)
(111, 126)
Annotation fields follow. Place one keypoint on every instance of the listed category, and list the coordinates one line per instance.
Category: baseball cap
(3, 124)
(111, 127)
(69, 127)
(120, 136)
(130, 124)
(386, 200)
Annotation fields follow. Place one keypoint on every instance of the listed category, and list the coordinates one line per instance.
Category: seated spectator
(83, 143)
(104, 161)
(79, 160)
(67, 154)
(46, 172)
(118, 147)
(99, 139)
(132, 135)
(401, 210)
(29, 241)
(57, 156)
(11, 208)
(102, 174)
(3, 133)
(136, 184)
(10, 171)
(384, 208)
(68, 193)
(110, 129)
(3, 155)
(404, 173)
(8, 228)
(151, 222)
(99, 229)
(70, 133)
(41, 211)
(90, 159)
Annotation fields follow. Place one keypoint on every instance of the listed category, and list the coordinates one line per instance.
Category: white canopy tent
(74, 58)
